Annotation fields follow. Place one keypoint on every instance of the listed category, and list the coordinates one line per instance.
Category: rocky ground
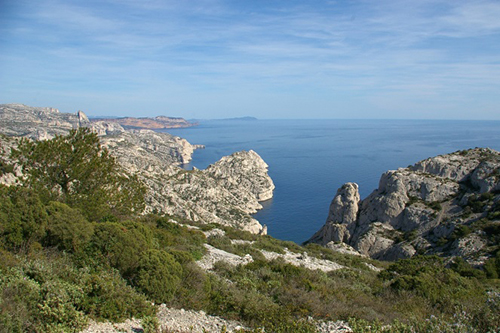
(188, 321)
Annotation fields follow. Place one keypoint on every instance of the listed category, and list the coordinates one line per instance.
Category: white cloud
(375, 48)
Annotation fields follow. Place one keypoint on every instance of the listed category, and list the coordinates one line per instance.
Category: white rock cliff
(420, 209)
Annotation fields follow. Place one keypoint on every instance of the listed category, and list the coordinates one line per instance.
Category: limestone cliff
(227, 192)
(446, 205)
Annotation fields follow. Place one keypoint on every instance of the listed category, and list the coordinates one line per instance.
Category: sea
(310, 159)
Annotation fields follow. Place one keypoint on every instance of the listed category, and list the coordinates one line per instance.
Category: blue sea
(310, 159)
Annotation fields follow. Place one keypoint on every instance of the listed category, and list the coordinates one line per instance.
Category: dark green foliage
(108, 297)
(176, 237)
(461, 231)
(271, 244)
(464, 269)
(67, 228)
(492, 266)
(477, 203)
(158, 275)
(22, 217)
(101, 262)
(426, 276)
(436, 205)
(194, 290)
(76, 170)
(412, 200)
(48, 294)
(5, 168)
(121, 245)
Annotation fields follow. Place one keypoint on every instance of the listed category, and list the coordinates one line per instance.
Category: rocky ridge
(159, 122)
(38, 123)
(440, 205)
(227, 192)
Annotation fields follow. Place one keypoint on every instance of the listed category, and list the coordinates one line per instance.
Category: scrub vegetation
(74, 247)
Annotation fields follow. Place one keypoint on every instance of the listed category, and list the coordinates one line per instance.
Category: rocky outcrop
(227, 192)
(243, 171)
(420, 209)
(342, 216)
(9, 171)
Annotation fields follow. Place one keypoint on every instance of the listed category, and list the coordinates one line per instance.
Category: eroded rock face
(227, 192)
(243, 171)
(342, 216)
(419, 208)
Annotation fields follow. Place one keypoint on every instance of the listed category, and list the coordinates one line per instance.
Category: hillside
(102, 231)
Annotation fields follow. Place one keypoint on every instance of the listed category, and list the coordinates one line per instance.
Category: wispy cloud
(210, 50)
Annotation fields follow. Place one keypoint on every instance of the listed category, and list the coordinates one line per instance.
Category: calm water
(309, 159)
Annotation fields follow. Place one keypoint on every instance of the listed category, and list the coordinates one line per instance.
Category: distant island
(247, 118)
(158, 122)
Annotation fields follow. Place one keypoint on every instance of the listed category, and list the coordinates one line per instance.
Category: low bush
(158, 275)
(22, 218)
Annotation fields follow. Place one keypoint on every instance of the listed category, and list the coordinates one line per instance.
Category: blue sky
(419, 59)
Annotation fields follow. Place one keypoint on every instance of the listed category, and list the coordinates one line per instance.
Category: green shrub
(108, 297)
(122, 244)
(492, 266)
(426, 276)
(177, 237)
(464, 269)
(194, 289)
(461, 231)
(150, 324)
(67, 228)
(436, 205)
(158, 275)
(22, 217)
(36, 297)
(5, 168)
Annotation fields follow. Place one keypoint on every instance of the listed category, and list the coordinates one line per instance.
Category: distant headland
(158, 122)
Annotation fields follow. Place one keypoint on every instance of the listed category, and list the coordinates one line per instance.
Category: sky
(359, 59)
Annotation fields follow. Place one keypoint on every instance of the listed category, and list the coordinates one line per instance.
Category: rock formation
(440, 205)
(227, 192)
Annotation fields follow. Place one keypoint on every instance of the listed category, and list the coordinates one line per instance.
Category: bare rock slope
(445, 205)
(227, 192)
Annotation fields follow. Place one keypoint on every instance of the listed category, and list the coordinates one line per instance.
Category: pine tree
(75, 169)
